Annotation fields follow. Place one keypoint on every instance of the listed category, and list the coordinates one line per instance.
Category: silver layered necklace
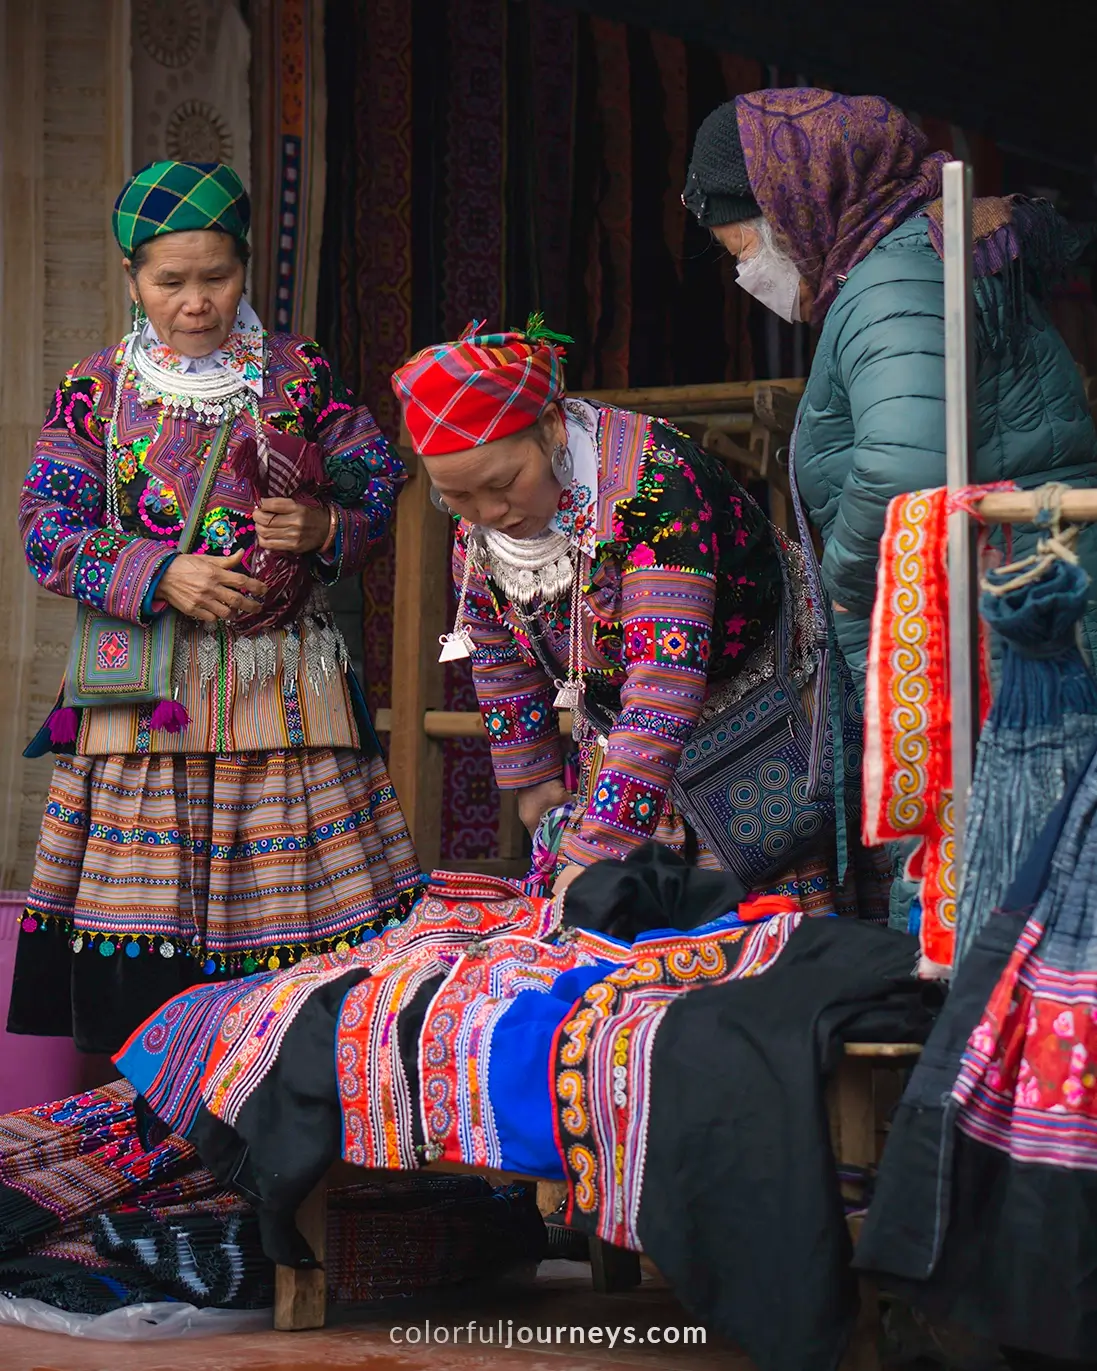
(216, 394)
(529, 570)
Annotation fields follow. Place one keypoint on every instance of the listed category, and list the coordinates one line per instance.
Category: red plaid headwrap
(482, 387)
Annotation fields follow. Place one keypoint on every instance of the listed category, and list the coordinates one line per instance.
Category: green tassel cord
(537, 331)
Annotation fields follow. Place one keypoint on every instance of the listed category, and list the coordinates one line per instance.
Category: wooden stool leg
(550, 1196)
(613, 1268)
(853, 1112)
(863, 1353)
(300, 1297)
(853, 1132)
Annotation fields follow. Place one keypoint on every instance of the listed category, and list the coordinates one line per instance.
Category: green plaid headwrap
(172, 197)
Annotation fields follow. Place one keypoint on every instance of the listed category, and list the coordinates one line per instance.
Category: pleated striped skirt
(154, 872)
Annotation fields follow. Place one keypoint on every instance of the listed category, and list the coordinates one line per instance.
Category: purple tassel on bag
(62, 726)
(169, 716)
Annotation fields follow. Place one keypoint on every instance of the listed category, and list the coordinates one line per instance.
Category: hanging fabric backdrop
(365, 302)
(489, 157)
(288, 85)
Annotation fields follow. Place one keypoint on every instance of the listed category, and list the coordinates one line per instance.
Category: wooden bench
(864, 1086)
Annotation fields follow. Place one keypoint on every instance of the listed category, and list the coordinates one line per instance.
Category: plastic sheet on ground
(136, 1322)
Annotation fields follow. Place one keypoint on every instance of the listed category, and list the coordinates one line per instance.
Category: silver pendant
(243, 657)
(456, 647)
(312, 654)
(179, 663)
(266, 658)
(567, 694)
(208, 658)
(291, 659)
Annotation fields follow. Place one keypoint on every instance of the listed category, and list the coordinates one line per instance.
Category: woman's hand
(536, 800)
(209, 587)
(285, 526)
(566, 877)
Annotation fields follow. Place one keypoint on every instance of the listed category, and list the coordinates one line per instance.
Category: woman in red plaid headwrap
(608, 566)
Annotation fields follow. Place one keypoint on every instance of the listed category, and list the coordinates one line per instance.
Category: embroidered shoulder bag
(761, 779)
(115, 662)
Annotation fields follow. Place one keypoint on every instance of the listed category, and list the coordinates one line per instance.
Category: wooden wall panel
(64, 73)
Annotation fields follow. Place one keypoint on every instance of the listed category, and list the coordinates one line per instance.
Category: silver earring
(438, 503)
(563, 464)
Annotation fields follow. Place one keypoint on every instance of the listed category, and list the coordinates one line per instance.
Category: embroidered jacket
(684, 583)
(295, 702)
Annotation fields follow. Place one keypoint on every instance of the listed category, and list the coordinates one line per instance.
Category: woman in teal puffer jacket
(832, 205)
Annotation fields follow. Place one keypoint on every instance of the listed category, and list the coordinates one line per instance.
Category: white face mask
(770, 275)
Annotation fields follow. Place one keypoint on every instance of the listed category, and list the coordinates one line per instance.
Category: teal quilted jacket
(872, 420)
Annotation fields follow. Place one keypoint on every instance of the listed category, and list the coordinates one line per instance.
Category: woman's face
(189, 285)
(742, 241)
(739, 239)
(507, 485)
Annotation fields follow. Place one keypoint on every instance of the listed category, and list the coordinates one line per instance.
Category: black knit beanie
(718, 188)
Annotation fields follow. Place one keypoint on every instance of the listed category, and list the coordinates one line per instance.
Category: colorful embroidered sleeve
(364, 469)
(675, 542)
(667, 630)
(63, 503)
(514, 694)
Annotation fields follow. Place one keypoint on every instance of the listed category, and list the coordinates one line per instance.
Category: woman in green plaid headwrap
(248, 820)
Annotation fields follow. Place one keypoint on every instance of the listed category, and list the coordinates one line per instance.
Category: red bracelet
(333, 528)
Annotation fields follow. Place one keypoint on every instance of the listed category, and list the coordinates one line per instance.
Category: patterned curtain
(549, 146)
(609, 269)
(364, 314)
(474, 268)
(289, 110)
(489, 157)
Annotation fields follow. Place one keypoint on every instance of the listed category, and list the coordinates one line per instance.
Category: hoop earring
(563, 464)
(438, 503)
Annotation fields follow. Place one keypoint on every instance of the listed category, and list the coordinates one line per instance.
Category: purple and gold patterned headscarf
(834, 174)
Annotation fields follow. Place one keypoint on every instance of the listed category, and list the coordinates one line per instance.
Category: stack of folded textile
(91, 1222)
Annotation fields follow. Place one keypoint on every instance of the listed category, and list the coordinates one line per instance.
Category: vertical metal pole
(960, 454)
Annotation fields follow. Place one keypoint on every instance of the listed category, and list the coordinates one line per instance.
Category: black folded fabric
(651, 888)
(206, 1259)
(741, 1208)
(78, 1288)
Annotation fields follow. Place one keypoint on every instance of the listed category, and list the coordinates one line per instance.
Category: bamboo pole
(419, 610)
(1024, 506)
(963, 569)
(454, 723)
(734, 422)
(719, 397)
(445, 723)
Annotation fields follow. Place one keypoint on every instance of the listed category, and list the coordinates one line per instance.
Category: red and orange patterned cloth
(483, 387)
(908, 719)
(442, 1054)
